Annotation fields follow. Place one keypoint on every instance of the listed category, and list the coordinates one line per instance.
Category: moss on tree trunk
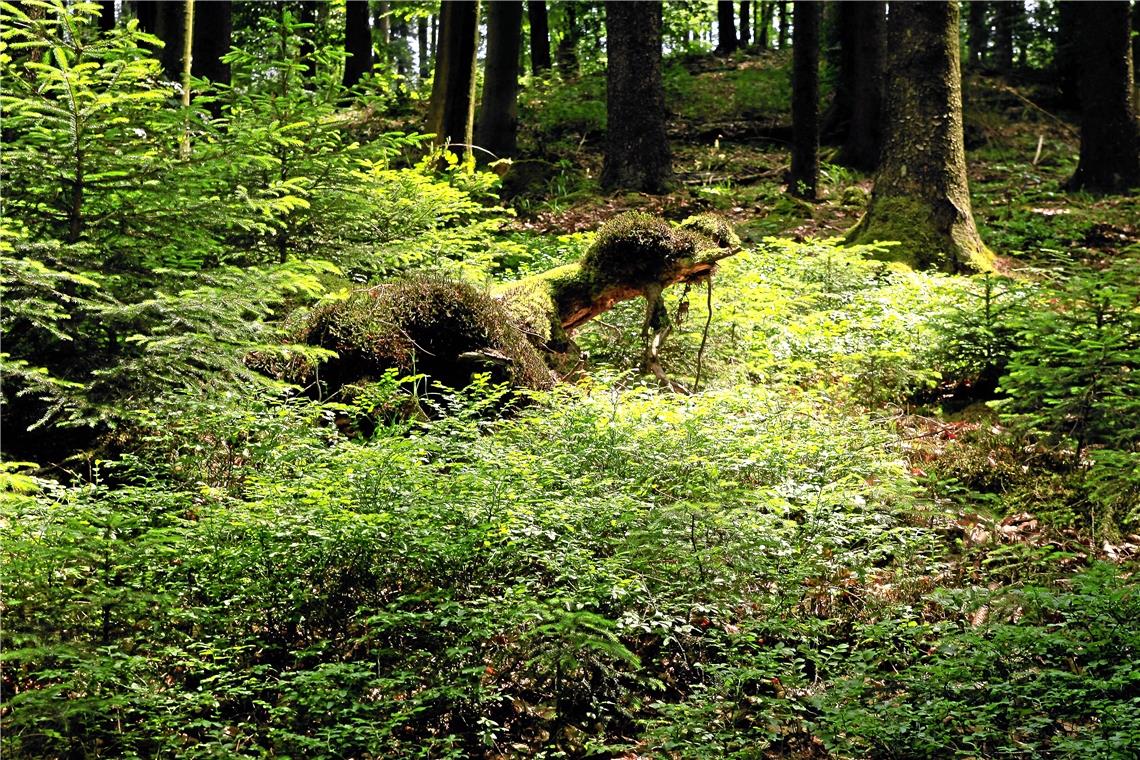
(921, 197)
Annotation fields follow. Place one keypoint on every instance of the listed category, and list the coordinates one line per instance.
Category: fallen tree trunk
(521, 332)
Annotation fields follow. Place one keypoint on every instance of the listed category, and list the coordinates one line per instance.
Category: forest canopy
(407, 378)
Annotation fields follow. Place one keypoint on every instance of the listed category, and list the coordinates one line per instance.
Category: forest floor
(834, 547)
(726, 159)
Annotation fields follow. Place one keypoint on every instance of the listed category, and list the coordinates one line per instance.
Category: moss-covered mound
(637, 249)
(446, 330)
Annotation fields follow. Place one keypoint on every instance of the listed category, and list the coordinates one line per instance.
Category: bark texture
(539, 36)
(1067, 53)
(804, 174)
(451, 109)
(357, 41)
(864, 133)
(921, 197)
(1108, 160)
(637, 149)
(498, 114)
(745, 22)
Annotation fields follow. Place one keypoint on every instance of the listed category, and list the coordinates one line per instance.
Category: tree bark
(725, 27)
(745, 22)
(1108, 161)
(921, 197)
(498, 114)
(864, 140)
(979, 31)
(539, 36)
(357, 42)
(452, 105)
(213, 29)
(804, 174)
(637, 149)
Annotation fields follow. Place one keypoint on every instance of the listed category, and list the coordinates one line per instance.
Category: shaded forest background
(580, 379)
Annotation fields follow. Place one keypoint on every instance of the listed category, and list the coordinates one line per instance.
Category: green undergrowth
(777, 564)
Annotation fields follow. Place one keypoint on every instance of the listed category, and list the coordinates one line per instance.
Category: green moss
(716, 228)
(922, 244)
(422, 325)
(636, 249)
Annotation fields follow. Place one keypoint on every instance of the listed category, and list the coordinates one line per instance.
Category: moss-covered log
(520, 333)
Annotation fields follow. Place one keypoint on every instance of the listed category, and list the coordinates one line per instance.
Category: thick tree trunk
(921, 197)
(1109, 161)
(452, 106)
(146, 11)
(745, 22)
(804, 174)
(539, 36)
(864, 140)
(979, 30)
(357, 41)
(1135, 39)
(213, 28)
(725, 27)
(498, 114)
(637, 150)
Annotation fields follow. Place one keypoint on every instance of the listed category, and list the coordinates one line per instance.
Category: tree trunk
(498, 114)
(725, 27)
(745, 22)
(804, 174)
(1135, 39)
(864, 140)
(1004, 21)
(1067, 53)
(921, 197)
(422, 47)
(164, 20)
(837, 118)
(357, 41)
(146, 11)
(452, 106)
(637, 150)
(567, 53)
(1109, 161)
(539, 36)
(383, 27)
(213, 28)
(764, 30)
(782, 41)
(106, 15)
(979, 29)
